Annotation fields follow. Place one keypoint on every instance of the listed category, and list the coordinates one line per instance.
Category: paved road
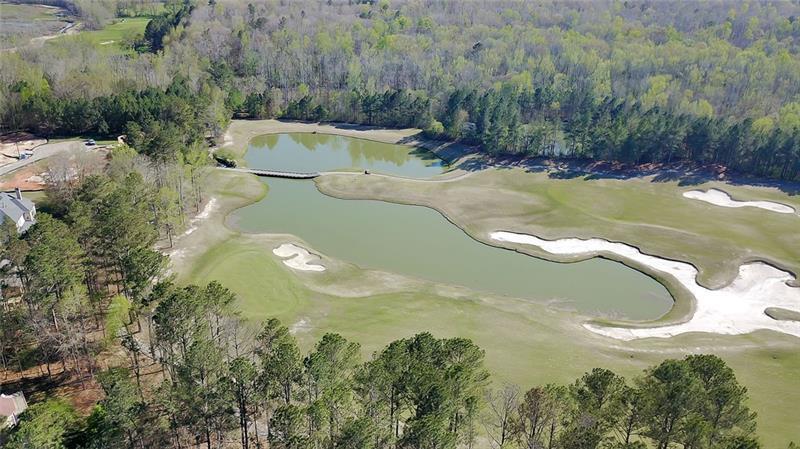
(41, 152)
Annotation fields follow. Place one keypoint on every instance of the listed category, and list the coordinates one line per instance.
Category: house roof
(13, 207)
(12, 405)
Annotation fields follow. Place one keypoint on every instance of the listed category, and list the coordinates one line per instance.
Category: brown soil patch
(30, 178)
(11, 144)
(38, 386)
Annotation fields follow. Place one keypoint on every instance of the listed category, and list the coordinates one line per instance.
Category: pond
(418, 241)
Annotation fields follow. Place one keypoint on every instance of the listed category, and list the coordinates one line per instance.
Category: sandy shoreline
(737, 308)
(723, 199)
(240, 132)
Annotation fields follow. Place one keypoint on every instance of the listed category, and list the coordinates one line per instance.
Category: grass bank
(652, 216)
(240, 132)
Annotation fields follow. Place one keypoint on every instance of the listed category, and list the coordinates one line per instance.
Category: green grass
(99, 141)
(116, 35)
(526, 343)
(652, 216)
(43, 203)
(150, 9)
(10, 11)
(278, 295)
(777, 313)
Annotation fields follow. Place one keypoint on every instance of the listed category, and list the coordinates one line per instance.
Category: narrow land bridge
(274, 173)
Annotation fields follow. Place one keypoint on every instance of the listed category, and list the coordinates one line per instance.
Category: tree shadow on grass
(685, 175)
(470, 158)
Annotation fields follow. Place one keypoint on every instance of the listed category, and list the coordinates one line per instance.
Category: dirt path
(37, 42)
(71, 28)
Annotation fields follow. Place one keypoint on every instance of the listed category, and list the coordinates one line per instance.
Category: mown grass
(117, 36)
(652, 216)
(12, 11)
(277, 295)
(777, 313)
(526, 343)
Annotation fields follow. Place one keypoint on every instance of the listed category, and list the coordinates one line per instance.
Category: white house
(19, 210)
(11, 406)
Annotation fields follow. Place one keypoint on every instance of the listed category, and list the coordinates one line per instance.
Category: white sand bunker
(297, 258)
(735, 309)
(227, 140)
(301, 326)
(721, 198)
(204, 214)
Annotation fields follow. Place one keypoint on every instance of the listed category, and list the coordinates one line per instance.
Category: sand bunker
(177, 254)
(721, 198)
(735, 309)
(205, 213)
(297, 258)
(227, 139)
(301, 326)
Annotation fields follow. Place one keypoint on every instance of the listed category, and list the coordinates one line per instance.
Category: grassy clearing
(525, 342)
(11, 11)
(116, 36)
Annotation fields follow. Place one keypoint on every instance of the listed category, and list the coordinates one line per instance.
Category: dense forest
(637, 82)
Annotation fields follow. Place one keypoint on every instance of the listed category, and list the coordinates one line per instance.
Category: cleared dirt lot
(72, 157)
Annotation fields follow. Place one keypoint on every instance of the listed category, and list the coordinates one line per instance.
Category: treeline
(513, 121)
(397, 108)
(224, 387)
(173, 119)
(637, 82)
(562, 81)
(161, 25)
(501, 122)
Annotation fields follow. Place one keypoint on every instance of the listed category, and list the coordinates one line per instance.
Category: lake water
(418, 241)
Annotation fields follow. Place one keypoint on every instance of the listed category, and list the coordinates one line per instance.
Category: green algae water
(418, 241)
